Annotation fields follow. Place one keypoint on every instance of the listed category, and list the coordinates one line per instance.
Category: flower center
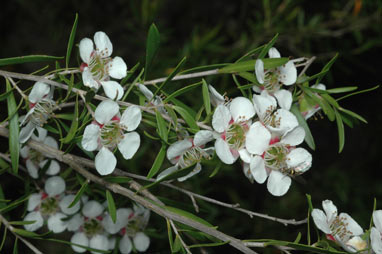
(274, 157)
(49, 206)
(136, 224)
(271, 81)
(339, 229)
(112, 133)
(193, 155)
(92, 226)
(42, 111)
(235, 135)
(270, 118)
(99, 65)
(35, 156)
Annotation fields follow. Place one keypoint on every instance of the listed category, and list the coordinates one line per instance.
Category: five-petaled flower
(108, 132)
(98, 66)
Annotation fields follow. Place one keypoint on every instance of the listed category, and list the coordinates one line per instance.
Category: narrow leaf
(269, 45)
(111, 206)
(152, 45)
(341, 131)
(71, 40)
(28, 59)
(208, 244)
(206, 97)
(327, 67)
(14, 142)
(161, 124)
(181, 91)
(342, 89)
(351, 113)
(73, 126)
(250, 65)
(188, 215)
(79, 194)
(302, 122)
(188, 118)
(158, 162)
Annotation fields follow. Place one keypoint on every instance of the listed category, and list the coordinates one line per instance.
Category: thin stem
(307, 64)
(11, 229)
(18, 89)
(185, 76)
(180, 238)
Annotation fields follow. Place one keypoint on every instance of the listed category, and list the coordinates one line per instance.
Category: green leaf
(188, 215)
(111, 206)
(298, 238)
(152, 45)
(249, 76)
(342, 89)
(269, 45)
(79, 194)
(73, 244)
(25, 233)
(341, 131)
(310, 209)
(158, 162)
(250, 65)
(250, 53)
(73, 126)
(331, 100)
(173, 73)
(351, 113)
(208, 245)
(328, 110)
(21, 222)
(206, 97)
(216, 170)
(161, 124)
(71, 40)
(177, 245)
(3, 200)
(181, 91)
(302, 122)
(204, 68)
(15, 246)
(303, 247)
(327, 67)
(4, 237)
(188, 118)
(358, 92)
(117, 179)
(14, 141)
(169, 234)
(28, 59)
(6, 94)
(14, 204)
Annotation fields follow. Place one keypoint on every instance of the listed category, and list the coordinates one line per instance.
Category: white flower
(232, 123)
(376, 232)
(276, 159)
(341, 229)
(108, 132)
(123, 215)
(215, 97)
(309, 107)
(41, 107)
(34, 160)
(98, 66)
(273, 79)
(187, 152)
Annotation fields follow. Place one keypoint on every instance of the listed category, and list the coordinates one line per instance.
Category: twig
(17, 88)
(307, 64)
(11, 229)
(116, 188)
(53, 75)
(185, 76)
(263, 245)
(180, 238)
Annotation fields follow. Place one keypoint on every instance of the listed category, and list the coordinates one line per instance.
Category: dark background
(209, 32)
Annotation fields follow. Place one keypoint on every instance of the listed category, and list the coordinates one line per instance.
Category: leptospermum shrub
(72, 127)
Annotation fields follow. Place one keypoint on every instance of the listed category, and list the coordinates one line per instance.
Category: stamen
(112, 133)
(42, 111)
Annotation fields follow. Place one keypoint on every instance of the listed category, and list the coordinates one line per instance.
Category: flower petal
(89, 140)
(66, 201)
(166, 172)
(32, 169)
(55, 185)
(258, 171)
(38, 91)
(195, 171)
(146, 92)
(352, 226)
(257, 139)
(33, 216)
(284, 98)
(178, 148)
(53, 168)
(245, 155)
(125, 245)
(264, 104)
(113, 89)
(117, 68)
(103, 44)
(24, 152)
(129, 145)
(259, 70)
(274, 53)
(99, 242)
(215, 97)
(26, 132)
(86, 49)
(141, 241)
(105, 111)
(81, 239)
(203, 137)
(241, 109)
(287, 122)
(75, 222)
(294, 137)
(377, 219)
(131, 117)
(56, 224)
(223, 151)
(376, 241)
(34, 201)
(92, 209)
(330, 210)
(299, 159)
(221, 118)
(278, 184)
(288, 73)
(321, 221)
(42, 135)
(89, 80)
(121, 222)
(105, 161)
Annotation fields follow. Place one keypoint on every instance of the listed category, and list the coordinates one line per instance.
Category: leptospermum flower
(187, 152)
(47, 206)
(274, 158)
(41, 107)
(34, 160)
(91, 233)
(215, 97)
(108, 132)
(231, 124)
(98, 66)
(342, 229)
(308, 106)
(376, 232)
(273, 79)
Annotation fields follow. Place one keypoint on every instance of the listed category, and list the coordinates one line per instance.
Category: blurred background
(211, 32)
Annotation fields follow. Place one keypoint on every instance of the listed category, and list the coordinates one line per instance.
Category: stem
(185, 76)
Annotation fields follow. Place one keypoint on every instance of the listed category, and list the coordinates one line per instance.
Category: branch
(11, 228)
(116, 188)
